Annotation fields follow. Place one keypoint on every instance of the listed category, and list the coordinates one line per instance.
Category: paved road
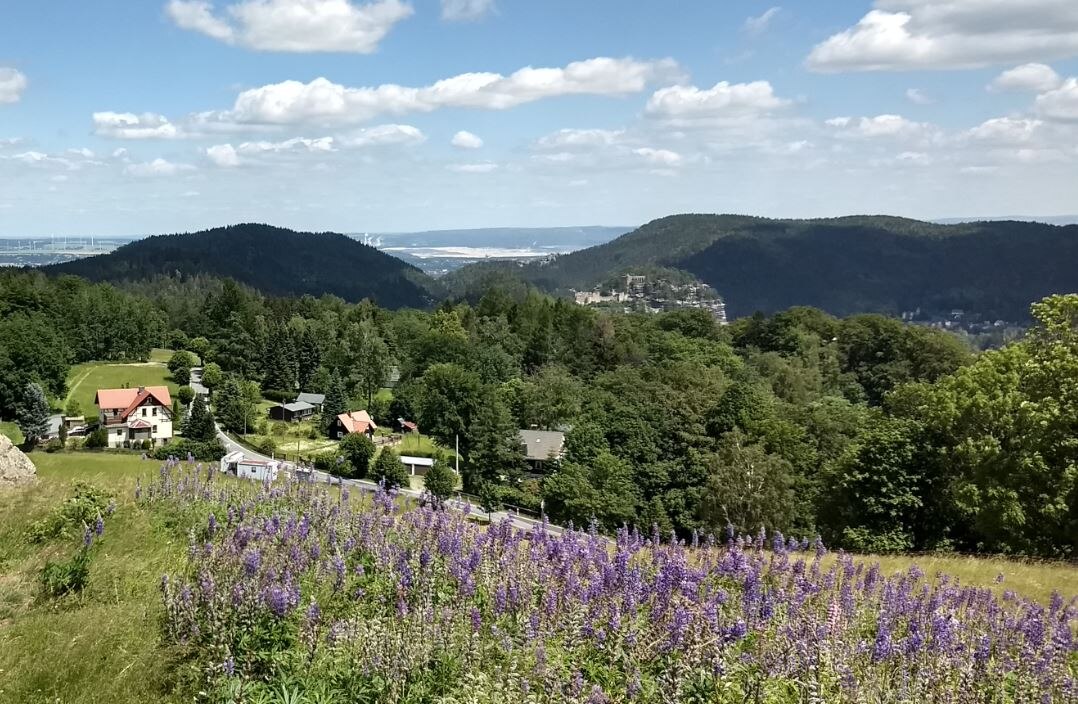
(462, 505)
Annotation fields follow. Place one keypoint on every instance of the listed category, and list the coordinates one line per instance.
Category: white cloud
(81, 152)
(223, 155)
(12, 85)
(902, 35)
(1036, 78)
(882, 126)
(577, 138)
(661, 157)
(126, 125)
(723, 100)
(466, 10)
(294, 25)
(296, 144)
(321, 100)
(40, 159)
(386, 135)
(157, 167)
(198, 16)
(1061, 103)
(466, 140)
(759, 25)
(1006, 130)
(918, 97)
(483, 167)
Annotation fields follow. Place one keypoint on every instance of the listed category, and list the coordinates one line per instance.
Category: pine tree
(199, 423)
(335, 403)
(308, 359)
(32, 414)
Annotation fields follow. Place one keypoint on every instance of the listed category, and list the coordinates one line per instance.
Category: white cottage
(134, 415)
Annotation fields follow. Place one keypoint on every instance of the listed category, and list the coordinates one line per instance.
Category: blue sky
(125, 117)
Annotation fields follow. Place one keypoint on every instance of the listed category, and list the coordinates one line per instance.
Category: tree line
(875, 434)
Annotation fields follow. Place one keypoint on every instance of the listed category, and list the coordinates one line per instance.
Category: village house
(131, 416)
(541, 446)
(353, 422)
(315, 400)
(291, 412)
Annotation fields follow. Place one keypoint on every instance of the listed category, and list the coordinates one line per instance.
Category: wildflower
(99, 526)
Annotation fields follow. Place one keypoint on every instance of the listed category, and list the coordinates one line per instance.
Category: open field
(1036, 580)
(160, 355)
(84, 380)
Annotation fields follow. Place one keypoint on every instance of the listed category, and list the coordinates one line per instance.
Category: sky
(129, 117)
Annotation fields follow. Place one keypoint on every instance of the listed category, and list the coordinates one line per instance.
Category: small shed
(291, 412)
(417, 466)
(259, 470)
(407, 426)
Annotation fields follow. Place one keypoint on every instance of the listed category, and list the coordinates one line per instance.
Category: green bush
(202, 451)
(266, 445)
(69, 576)
(326, 461)
(69, 518)
(54, 445)
(97, 439)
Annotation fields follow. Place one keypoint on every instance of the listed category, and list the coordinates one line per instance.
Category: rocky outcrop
(15, 467)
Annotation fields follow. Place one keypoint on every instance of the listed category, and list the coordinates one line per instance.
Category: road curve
(462, 505)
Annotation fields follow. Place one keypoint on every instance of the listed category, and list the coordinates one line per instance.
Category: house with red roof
(131, 416)
(353, 422)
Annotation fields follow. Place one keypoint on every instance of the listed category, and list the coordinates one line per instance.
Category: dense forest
(875, 434)
(274, 260)
(843, 265)
(48, 324)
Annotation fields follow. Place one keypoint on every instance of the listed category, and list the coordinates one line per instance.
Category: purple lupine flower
(99, 526)
(252, 561)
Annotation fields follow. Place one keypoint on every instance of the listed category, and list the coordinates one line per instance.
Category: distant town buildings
(654, 295)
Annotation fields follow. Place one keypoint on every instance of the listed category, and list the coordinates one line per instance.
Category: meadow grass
(12, 431)
(101, 645)
(1033, 579)
(104, 645)
(84, 380)
(160, 355)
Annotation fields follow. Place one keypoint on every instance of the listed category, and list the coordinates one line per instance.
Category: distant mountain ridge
(274, 260)
(843, 265)
(577, 237)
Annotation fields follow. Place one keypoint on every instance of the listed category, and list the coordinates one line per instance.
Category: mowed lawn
(84, 380)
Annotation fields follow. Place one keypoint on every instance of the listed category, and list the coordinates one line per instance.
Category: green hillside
(842, 265)
(273, 260)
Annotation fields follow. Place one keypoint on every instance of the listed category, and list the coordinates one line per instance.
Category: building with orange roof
(132, 416)
(354, 422)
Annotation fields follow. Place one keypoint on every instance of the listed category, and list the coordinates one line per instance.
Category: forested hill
(842, 265)
(273, 260)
